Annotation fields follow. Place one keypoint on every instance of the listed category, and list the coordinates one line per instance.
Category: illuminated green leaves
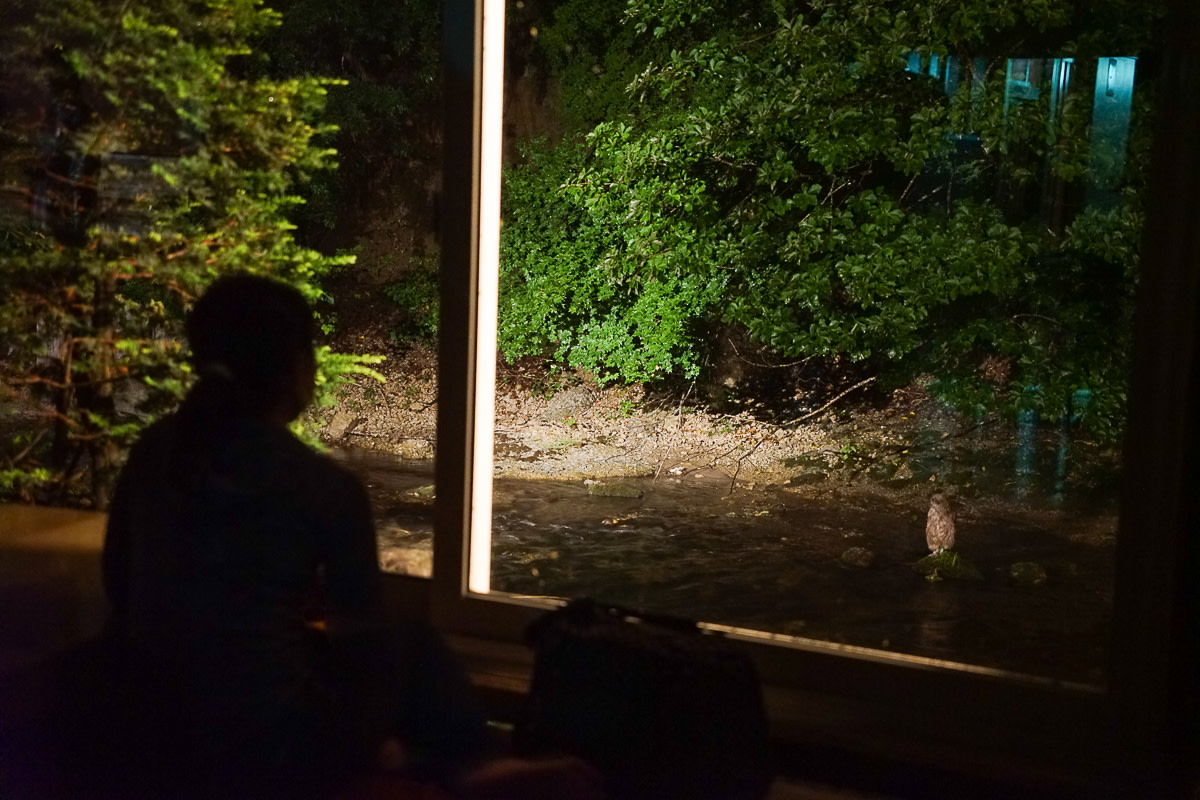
(898, 184)
(156, 158)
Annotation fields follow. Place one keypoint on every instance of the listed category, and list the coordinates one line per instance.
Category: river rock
(414, 449)
(569, 403)
(807, 478)
(900, 484)
(341, 424)
(600, 489)
(882, 470)
(1028, 572)
(949, 565)
(959, 477)
(424, 492)
(415, 561)
(807, 461)
(859, 557)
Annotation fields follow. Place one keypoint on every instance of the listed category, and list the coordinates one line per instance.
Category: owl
(939, 527)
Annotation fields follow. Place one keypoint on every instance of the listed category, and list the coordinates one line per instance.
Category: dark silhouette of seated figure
(222, 529)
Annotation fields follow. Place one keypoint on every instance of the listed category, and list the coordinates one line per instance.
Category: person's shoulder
(322, 472)
(337, 491)
(153, 439)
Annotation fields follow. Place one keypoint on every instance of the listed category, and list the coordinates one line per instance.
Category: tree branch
(812, 414)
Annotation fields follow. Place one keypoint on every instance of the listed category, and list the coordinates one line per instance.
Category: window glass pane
(147, 149)
(819, 323)
(379, 206)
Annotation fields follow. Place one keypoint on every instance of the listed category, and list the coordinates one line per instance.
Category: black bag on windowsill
(661, 708)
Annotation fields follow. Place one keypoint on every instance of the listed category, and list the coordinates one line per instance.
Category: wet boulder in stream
(1030, 573)
(947, 564)
(425, 494)
(416, 561)
(807, 478)
(859, 557)
(601, 489)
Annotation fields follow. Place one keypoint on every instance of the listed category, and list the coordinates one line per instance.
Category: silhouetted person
(222, 528)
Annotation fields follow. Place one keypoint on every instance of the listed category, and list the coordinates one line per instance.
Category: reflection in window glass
(818, 323)
(379, 206)
(147, 149)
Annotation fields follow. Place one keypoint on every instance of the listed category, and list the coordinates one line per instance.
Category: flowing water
(777, 560)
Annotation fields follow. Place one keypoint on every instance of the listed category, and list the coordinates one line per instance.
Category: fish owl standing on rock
(939, 527)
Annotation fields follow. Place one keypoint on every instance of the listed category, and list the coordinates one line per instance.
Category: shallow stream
(776, 559)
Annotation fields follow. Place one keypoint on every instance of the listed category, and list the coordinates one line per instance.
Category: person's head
(253, 336)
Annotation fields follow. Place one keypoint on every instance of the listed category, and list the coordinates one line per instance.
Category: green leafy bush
(777, 167)
(157, 158)
(563, 293)
(416, 295)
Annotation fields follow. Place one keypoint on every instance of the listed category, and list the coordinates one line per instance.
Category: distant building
(1026, 79)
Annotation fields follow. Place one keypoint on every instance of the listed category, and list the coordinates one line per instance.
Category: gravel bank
(579, 431)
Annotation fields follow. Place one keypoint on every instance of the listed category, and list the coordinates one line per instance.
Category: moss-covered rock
(424, 493)
(947, 565)
(807, 479)
(1028, 572)
(859, 557)
(808, 461)
(883, 470)
(600, 489)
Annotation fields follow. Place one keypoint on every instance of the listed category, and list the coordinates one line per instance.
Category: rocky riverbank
(565, 427)
(573, 429)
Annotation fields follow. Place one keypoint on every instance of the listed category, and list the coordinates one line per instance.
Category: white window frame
(928, 712)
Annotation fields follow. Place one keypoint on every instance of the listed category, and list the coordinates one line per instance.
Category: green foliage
(143, 158)
(21, 482)
(385, 55)
(416, 295)
(592, 57)
(775, 166)
(562, 295)
(624, 409)
(335, 370)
